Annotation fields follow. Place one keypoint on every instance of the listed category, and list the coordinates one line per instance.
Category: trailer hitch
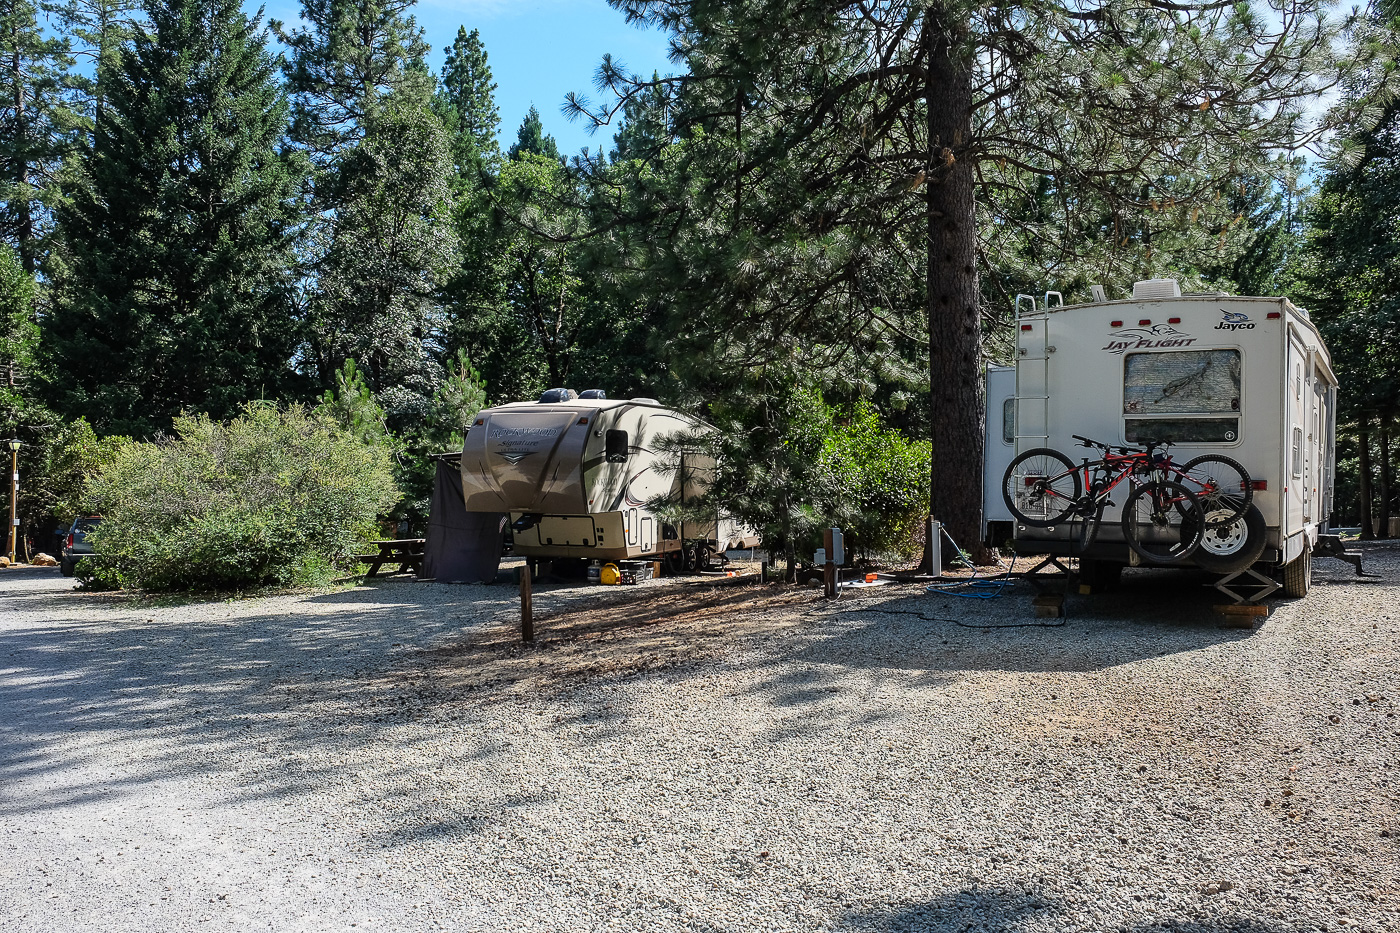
(1331, 546)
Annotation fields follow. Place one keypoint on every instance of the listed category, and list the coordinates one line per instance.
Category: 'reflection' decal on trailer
(1157, 336)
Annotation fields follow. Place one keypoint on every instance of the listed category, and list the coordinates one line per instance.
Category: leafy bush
(881, 480)
(790, 465)
(273, 497)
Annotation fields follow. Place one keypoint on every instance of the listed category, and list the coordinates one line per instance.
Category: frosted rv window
(1297, 451)
(1008, 421)
(1185, 396)
(615, 446)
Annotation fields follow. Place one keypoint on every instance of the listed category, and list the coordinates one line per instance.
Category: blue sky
(538, 50)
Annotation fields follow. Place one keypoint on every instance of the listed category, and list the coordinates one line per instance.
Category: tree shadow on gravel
(239, 688)
(990, 910)
(259, 689)
(1153, 613)
(981, 909)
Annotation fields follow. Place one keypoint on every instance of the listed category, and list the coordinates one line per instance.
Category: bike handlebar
(1145, 447)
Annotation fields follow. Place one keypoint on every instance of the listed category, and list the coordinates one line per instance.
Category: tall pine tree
(859, 152)
(37, 126)
(531, 138)
(382, 241)
(347, 56)
(96, 29)
(175, 294)
(468, 102)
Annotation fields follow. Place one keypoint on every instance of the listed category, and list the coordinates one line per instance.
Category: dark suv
(75, 546)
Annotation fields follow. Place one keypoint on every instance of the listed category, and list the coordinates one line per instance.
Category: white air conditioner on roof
(1156, 288)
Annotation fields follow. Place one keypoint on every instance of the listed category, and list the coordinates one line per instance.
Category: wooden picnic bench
(406, 552)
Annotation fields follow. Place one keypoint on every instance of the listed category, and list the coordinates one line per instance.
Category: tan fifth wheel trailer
(578, 476)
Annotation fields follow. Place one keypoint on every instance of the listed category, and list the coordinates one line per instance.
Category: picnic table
(406, 552)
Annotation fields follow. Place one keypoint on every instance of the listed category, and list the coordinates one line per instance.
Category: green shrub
(882, 483)
(274, 497)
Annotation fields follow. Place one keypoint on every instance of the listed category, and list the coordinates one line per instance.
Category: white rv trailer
(577, 475)
(1247, 378)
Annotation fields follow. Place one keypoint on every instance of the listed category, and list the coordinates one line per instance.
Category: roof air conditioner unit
(1156, 288)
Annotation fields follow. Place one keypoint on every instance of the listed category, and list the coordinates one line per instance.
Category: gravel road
(386, 758)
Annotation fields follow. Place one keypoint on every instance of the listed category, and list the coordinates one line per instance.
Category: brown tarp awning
(462, 546)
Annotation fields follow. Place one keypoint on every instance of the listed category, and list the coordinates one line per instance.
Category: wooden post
(527, 619)
(829, 569)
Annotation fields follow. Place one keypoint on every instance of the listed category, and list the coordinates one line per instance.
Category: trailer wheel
(1297, 575)
(1233, 546)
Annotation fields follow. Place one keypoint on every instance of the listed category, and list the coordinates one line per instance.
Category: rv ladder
(1024, 374)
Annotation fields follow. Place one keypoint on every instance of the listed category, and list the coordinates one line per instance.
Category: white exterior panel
(1253, 377)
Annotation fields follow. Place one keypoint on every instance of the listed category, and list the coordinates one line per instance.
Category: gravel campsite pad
(700, 758)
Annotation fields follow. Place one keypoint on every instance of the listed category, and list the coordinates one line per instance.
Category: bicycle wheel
(1222, 485)
(1040, 487)
(1163, 522)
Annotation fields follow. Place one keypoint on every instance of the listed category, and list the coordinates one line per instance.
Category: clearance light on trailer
(1115, 323)
(583, 421)
(1274, 315)
(1025, 327)
(479, 421)
(1260, 485)
(1173, 320)
(1144, 322)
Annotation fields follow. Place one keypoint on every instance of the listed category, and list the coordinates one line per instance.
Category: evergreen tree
(37, 126)
(645, 129)
(1348, 272)
(97, 29)
(19, 338)
(469, 103)
(174, 293)
(845, 145)
(386, 244)
(347, 57)
(381, 240)
(531, 138)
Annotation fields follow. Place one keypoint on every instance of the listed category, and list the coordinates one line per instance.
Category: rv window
(1297, 451)
(1181, 430)
(1008, 421)
(1181, 395)
(615, 447)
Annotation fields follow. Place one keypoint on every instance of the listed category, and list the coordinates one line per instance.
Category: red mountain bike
(1168, 509)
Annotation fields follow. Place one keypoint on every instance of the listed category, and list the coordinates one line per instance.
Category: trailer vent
(1156, 288)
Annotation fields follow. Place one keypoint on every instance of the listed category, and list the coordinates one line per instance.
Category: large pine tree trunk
(954, 321)
(1364, 484)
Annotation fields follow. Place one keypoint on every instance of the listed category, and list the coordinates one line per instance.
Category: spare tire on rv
(1235, 546)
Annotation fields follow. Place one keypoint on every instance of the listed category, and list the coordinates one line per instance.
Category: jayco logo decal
(1234, 321)
(1147, 338)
